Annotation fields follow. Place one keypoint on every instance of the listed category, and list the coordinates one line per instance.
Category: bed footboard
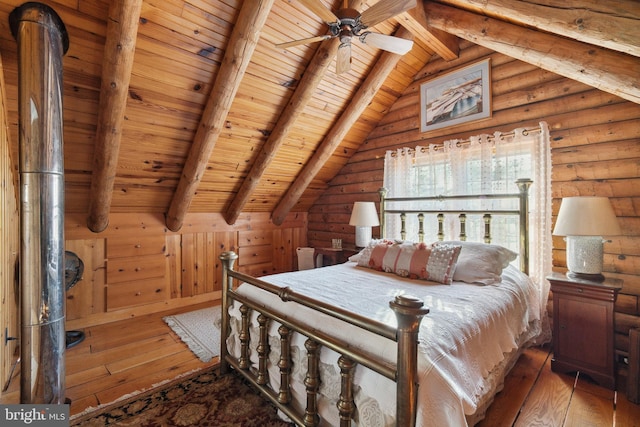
(409, 312)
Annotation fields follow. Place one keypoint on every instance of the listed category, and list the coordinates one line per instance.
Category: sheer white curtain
(486, 164)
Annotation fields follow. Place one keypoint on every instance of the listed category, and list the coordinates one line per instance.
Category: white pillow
(481, 262)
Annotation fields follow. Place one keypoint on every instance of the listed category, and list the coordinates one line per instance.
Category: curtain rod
(467, 141)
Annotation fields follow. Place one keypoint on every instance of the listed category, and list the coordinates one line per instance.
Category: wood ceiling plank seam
(297, 24)
(154, 21)
(180, 134)
(162, 117)
(192, 66)
(222, 14)
(193, 95)
(254, 84)
(140, 105)
(273, 60)
(163, 101)
(205, 51)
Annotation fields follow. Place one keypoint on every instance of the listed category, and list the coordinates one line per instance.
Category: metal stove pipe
(42, 41)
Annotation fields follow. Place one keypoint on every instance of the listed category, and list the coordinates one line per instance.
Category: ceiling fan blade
(385, 9)
(321, 10)
(343, 58)
(304, 41)
(389, 43)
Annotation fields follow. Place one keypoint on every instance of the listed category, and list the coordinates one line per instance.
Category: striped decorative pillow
(416, 260)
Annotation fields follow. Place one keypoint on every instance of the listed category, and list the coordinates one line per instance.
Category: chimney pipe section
(42, 41)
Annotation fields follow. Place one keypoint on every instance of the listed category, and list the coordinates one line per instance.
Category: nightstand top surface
(607, 283)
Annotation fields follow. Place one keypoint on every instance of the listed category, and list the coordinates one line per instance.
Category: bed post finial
(409, 312)
(228, 259)
(383, 205)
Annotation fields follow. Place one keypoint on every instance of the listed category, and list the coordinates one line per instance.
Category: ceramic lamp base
(363, 236)
(584, 257)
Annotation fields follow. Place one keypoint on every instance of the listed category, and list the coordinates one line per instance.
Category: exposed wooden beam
(311, 78)
(242, 44)
(307, 86)
(442, 43)
(604, 69)
(611, 24)
(120, 45)
(359, 103)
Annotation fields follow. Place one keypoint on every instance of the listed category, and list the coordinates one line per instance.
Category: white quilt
(467, 333)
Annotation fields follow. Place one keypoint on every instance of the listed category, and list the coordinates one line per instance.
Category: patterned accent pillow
(416, 260)
(365, 255)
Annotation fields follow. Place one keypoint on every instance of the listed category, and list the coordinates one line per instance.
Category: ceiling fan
(347, 23)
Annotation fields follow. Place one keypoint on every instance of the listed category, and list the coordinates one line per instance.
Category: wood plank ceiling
(187, 106)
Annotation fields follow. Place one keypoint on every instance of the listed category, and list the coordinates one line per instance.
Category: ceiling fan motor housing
(348, 24)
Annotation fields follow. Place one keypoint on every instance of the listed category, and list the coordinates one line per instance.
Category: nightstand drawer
(582, 291)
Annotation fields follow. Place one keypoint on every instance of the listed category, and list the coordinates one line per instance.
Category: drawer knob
(580, 290)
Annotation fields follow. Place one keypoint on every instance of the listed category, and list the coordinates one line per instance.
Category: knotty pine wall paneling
(136, 271)
(9, 235)
(137, 266)
(595, 142)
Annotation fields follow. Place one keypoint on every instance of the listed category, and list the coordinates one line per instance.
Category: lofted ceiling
(179, 106)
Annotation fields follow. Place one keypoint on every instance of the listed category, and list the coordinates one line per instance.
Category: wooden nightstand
(583, 327)
(332, 256)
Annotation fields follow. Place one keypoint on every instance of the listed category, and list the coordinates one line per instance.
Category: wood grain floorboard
(128, 356)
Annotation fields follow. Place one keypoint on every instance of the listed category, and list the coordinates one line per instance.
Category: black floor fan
(73, 269)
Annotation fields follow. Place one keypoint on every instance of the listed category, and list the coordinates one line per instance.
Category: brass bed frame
(409, 312)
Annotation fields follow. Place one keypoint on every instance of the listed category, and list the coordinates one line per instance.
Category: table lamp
(364, 216)
(583, 221)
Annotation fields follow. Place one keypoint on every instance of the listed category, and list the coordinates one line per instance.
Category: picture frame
(461, 96)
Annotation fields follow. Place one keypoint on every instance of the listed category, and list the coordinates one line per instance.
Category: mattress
(465, 342)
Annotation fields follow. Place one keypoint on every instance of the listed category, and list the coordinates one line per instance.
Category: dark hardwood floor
(133, 355)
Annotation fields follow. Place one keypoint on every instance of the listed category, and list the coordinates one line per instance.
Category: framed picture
(457, 97)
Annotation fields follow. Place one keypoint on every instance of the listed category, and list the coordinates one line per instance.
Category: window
(485, 164)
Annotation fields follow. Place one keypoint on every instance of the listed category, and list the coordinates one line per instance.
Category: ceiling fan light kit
(347, 23)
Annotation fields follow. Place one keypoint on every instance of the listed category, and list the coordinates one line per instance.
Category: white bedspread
(465, 336)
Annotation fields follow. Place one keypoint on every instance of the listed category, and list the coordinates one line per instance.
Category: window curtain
(485, 164)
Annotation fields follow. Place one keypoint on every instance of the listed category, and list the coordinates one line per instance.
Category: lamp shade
(586, 216)
(364, 215)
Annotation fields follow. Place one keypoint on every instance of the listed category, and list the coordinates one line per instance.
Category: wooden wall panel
(201, 272)
(136, 246)
(88, 296)
(595, 151)
(137, 266)
(130, 269)
(9, 235)
(144, 291)
(174, 264)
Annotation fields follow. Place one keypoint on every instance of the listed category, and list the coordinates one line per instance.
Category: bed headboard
(522, 212)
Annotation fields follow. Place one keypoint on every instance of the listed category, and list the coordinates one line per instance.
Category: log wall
(595, 139)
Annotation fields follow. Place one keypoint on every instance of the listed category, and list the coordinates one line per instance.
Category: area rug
(200, 330)
(206, 399)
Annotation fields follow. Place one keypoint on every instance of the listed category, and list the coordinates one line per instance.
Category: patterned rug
(206, 399)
